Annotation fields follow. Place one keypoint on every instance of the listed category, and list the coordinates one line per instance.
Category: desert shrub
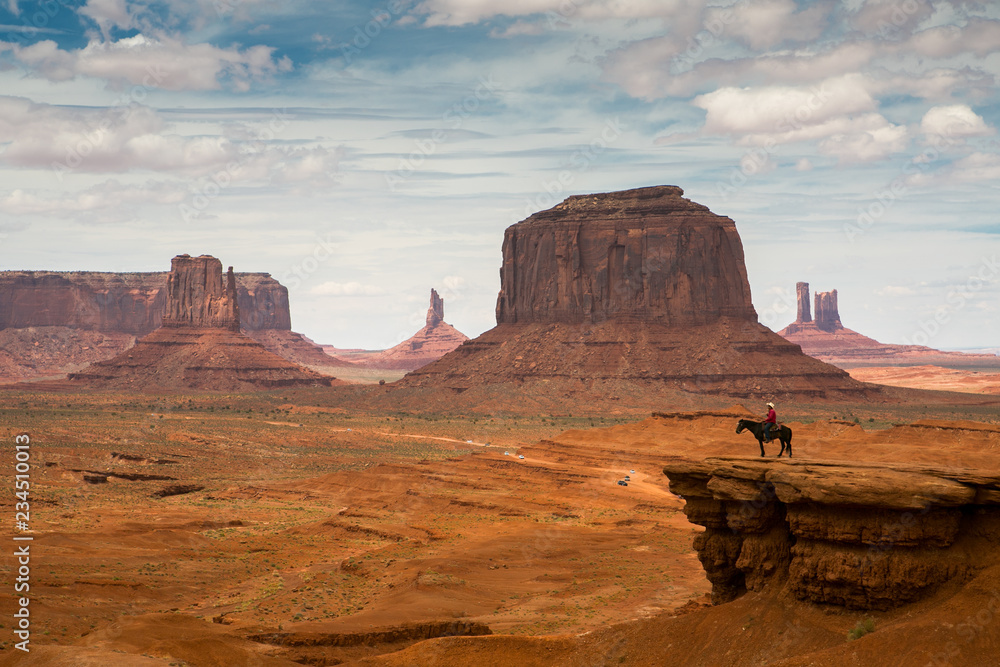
(861, 629)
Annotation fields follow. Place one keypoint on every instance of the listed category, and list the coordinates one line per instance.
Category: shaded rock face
(802, 297)
(869, 536)
(827, 315)
(647, 254)
(197, 296)
(132, 303)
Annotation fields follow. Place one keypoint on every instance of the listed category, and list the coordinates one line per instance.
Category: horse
(782, 433)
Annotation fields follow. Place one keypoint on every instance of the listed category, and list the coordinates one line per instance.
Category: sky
(366, 152)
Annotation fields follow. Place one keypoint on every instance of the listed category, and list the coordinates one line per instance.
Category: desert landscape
(568, 488)
(449, 333)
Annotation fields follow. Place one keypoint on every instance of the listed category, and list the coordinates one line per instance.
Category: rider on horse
(770, 422)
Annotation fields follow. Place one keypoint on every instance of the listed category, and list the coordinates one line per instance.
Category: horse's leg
(760, 442)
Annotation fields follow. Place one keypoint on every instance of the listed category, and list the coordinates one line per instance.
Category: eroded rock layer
(863, 536)
(647, 254)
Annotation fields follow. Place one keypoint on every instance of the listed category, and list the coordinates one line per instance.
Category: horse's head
(742, 425)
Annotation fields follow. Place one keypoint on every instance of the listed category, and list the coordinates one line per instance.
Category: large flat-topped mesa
(646, 254)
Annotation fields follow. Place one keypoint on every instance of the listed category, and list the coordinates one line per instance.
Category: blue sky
(365, 152)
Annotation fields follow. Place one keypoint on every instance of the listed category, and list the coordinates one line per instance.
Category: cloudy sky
(364, 152)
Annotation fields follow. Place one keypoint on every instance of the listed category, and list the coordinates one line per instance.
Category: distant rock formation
(132, 303)
(435, 313)
(199, 345)
(864, 536)
(827, 314)
(72, 310)
(802, 292)
(628, 293)
(436, 339)
(827, 339)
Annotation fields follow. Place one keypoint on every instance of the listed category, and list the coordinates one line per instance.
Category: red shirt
(772, 416)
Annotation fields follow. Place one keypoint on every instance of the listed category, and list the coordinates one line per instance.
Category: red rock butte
(625, 294)
(199, 346)
(827, 339)
(645, 254)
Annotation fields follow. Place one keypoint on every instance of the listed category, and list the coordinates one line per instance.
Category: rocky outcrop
(647, 254)
(863, 536)
(435, 313)
(436, 339)
(637, 291)
(132, 303)
(827, 314)
(827, 339)
(802, 295)
(199, 345)
(197, 295)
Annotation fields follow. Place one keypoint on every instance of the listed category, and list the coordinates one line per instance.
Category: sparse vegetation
(863, 627)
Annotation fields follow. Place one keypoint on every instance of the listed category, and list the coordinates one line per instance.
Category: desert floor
(281, 528)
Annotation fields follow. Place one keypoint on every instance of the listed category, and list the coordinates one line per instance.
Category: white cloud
(107, 14)
(783, 110)
(463, 12)
(978, 36)
(163, 62)
(941, 83)
(519, 28)
(956, 121)
(977, 167)
(891, 18)
(346, 289)
(110, 201)
(127, 138)
(869, 145)
(764, 23)
(839, 112)
(646, 68)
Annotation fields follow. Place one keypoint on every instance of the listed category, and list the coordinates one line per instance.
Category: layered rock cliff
(629, 293)
(199, 346)
(647, 254)
(132, 303)
(827, 339)
(862, 536)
